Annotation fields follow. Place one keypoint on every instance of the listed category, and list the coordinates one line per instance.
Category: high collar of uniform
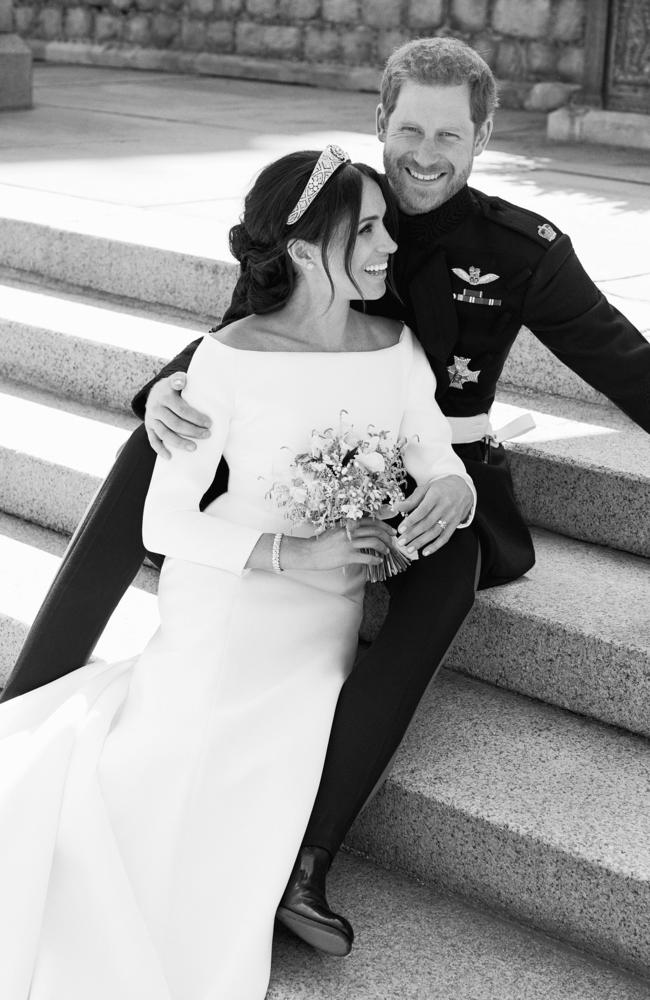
(430, 226)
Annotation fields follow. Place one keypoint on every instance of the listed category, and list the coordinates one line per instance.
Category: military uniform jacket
(467, 276)
(473, 272)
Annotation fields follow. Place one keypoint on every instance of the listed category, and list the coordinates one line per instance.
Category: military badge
(547, 232)
(459, 373)
(474, 295)
(474, 276)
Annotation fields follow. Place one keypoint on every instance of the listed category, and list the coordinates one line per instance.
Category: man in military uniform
(469, 272)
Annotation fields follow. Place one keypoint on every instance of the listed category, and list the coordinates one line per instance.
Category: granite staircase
(507, 854)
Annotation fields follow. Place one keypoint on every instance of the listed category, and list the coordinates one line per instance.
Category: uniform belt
(465, 430)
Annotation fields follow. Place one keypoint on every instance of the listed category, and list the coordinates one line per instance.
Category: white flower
(386, 443)
(371, 461)
(319, 443)
(352, 511)
(298, 493)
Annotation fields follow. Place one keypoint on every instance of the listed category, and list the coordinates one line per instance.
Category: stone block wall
(335, 41)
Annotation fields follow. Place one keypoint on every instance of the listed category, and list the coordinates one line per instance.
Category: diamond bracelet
(275, 553)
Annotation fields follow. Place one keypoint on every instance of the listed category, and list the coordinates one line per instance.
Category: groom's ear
(482, 136)
(302, 254)
(381, 123)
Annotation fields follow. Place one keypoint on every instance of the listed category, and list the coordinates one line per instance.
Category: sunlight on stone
(58, 435)
(548, 427)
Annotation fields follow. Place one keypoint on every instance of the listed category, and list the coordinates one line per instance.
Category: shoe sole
(317, 935)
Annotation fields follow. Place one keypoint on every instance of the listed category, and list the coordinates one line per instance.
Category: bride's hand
(339, 547)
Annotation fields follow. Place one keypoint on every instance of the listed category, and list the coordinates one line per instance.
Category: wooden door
(617, 55)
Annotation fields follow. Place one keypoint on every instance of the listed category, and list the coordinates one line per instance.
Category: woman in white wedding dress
(151, 810)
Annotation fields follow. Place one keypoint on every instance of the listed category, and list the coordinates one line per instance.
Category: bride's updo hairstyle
(260, 241)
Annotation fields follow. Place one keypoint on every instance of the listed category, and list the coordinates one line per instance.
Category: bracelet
(275, 553)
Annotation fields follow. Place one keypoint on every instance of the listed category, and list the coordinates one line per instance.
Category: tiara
(328, 163)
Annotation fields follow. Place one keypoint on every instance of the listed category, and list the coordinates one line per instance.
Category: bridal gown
(151, 810)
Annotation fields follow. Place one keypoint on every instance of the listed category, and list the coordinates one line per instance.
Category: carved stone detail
(632, 43)
(628, 84)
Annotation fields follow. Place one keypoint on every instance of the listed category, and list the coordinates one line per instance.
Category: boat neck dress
(151, 810)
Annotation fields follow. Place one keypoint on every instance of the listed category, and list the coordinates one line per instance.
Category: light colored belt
(464, 430)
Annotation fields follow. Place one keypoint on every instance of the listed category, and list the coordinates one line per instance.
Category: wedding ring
(442, 523)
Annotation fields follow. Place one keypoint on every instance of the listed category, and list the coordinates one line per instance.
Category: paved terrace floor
(166, 159)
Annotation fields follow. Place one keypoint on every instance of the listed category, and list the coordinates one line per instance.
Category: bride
(151, 810)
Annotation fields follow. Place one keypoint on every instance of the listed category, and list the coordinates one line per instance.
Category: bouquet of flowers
(344, 477)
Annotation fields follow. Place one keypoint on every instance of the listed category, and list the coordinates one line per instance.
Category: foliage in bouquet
(345, 477)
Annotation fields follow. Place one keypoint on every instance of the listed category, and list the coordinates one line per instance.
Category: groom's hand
(170, 422)
(433, 512)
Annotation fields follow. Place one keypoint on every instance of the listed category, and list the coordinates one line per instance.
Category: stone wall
(340, 42)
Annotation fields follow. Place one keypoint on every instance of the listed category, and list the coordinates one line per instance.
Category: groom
(470, 271)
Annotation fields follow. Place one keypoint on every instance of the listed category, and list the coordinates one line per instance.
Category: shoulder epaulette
(521, 220)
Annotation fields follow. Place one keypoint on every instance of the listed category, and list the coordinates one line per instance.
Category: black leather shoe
(303, 908)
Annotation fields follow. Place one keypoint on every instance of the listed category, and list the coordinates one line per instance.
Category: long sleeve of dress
(428, 454)
(173, 523)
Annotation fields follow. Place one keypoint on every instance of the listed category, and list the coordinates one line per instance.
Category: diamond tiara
(328, 163)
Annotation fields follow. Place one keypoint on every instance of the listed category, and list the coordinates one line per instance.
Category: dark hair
(260, 241)
(442, 62)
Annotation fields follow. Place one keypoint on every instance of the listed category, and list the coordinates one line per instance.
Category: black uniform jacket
(467, 276)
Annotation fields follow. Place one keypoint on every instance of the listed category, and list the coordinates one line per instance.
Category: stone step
(574, 632)
(528, 809)
(584, 470)
(54, 454)
(91, 258)
(94, 349)
(579, 623)
(416, 943)
(30, 557)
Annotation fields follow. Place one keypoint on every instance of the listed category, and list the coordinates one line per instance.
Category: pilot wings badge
(474, 277)
(474, 295)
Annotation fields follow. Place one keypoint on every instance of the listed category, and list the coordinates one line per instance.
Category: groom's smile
(430, 142)
(427, 178)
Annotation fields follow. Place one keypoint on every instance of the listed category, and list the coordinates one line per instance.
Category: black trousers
(428, 604)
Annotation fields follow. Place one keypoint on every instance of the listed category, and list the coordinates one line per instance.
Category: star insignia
(459, 373)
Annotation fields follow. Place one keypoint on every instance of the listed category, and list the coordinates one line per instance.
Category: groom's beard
(415, 197)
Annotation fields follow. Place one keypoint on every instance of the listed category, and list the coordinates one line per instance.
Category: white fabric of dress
(151, 810)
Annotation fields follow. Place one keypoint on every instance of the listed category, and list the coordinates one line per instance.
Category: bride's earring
(302, 254)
